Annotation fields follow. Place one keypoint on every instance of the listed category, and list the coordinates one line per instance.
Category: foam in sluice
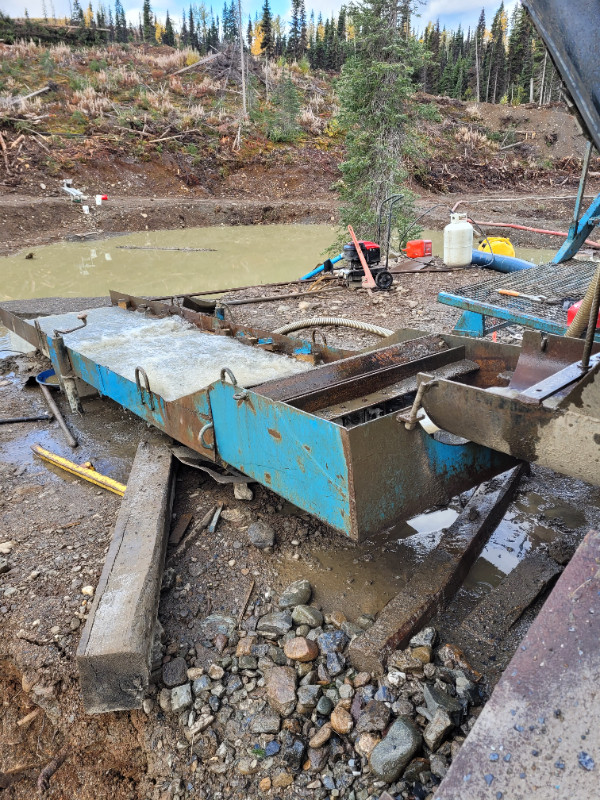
(178, 358)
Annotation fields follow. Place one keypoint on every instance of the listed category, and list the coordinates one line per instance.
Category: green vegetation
(375, 92)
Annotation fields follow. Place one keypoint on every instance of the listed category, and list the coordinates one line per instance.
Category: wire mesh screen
(556, 283)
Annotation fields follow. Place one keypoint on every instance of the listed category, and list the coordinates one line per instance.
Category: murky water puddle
(111, 445)
(363, 578)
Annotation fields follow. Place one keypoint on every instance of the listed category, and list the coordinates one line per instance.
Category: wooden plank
(491, 620)
(114, 653)
(438, 577)
(180, 528)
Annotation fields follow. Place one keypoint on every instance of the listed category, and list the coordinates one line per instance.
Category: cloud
(464, 11)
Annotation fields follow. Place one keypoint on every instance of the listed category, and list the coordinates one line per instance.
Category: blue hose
(500, 263)
(320, 268)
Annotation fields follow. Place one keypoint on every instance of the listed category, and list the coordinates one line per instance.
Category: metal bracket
(242, 394)
(82, 317)
(203, 430)
(424, 381)
(321, 334)
(140, 371)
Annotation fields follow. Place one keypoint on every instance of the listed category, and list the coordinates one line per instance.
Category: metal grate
(556, 282)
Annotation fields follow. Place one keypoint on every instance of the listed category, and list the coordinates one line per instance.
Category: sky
(465, 12)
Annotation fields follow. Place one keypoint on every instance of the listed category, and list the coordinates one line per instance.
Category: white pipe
(318, 322)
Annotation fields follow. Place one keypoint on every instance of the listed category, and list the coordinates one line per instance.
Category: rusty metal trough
(326, 438)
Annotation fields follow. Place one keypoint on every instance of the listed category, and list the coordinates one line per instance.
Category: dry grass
(474, 112)
(474, 140)
(311, 122)
(161, 100)
(23, 49)
(90, 102)
(174, 60)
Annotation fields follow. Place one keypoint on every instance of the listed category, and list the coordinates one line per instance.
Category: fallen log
(198, 63)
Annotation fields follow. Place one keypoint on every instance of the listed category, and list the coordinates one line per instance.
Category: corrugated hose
(579, 324)
(322, 322)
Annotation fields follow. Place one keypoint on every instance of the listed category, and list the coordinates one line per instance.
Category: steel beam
(538, 735)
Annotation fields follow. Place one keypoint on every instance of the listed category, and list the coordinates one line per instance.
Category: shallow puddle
(357, 579)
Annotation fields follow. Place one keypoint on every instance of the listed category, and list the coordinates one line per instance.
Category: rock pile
(278, 704)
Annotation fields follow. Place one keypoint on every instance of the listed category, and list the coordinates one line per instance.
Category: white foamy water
(178, 358)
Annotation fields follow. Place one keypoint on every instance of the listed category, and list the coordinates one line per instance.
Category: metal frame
(359, 477)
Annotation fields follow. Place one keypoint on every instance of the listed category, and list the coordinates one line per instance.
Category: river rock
(4, 566)
(335, 663)
(403, 661)
(308, 696)
(317, 758)
(296, 594)
(374, 717)
(267, 722)
(261, 535)
(282, 779)
(202, 684)
(390, 757)
(307, 615)
(332, 642)
(324, 706)
(301, 649)
(436, 698)
(366, 743)
(275, 624)
(321, 737)
(174, 673)
(281, 689)
(341, 720)
(425, 638)
(422, 654)
(181, 698)
(437, 730)
(466, 689)
(292, 752)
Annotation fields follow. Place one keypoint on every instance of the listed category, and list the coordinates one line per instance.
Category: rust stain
(275, 434)
(307, 448)
(268, 477)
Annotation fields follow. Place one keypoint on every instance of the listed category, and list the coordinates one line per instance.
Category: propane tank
(458, 241)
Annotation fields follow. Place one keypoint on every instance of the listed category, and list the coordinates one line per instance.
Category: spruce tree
(376, 92)
(147, 23)
(294, 37)
(169, 34)
(266, 25)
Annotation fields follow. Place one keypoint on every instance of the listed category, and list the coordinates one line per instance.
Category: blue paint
(511, 316)
(579, 233)
(297, 455)
(500, 263)
(470, 324)
(314, 272)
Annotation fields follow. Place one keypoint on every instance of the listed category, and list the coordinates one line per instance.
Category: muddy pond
(177, 261)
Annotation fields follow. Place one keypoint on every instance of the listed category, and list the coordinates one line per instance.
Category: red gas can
(418, 248)
(572, 312)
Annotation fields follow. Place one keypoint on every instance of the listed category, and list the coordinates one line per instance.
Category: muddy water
(241, 255)
(362, 578)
